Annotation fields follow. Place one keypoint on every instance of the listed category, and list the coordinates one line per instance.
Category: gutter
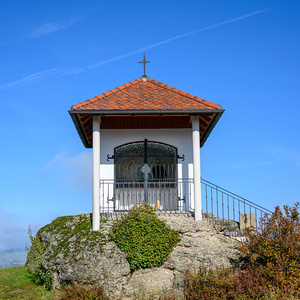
(143, 112)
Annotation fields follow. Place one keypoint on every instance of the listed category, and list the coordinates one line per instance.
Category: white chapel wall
(179, 138)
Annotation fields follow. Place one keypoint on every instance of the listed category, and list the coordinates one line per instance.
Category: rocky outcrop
(73, 253)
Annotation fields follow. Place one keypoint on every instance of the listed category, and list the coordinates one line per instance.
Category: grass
(17, 283)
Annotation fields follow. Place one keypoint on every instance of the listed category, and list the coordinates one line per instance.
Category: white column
(96, 173)
(196, 168)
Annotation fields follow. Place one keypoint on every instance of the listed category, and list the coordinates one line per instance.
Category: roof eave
(74, 115)
(80, 130)
(210, 127)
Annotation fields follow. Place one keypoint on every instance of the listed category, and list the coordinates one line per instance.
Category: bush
(273, 270)
(209, 285)
(145, 239)
(274, 249)
(81, 292)
(40, 275)
(225, 284)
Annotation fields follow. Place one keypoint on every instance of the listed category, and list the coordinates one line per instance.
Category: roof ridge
(182, 93)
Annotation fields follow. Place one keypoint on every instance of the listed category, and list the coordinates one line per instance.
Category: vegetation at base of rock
(81, 292)
(40, 275)
(225, 284)
(273, 270)
(145, 239)
(17, 283)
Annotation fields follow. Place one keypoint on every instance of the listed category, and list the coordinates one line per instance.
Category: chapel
(146, 138)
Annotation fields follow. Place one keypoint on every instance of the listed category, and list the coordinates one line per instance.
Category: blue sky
(243, 55)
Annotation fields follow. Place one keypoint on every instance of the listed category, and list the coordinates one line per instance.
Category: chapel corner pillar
(96, 173)
(196, 168)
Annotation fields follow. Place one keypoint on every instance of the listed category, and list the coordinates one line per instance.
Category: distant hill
(12, 257)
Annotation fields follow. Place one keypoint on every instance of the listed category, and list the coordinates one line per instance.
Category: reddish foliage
(274, 249)
(79, 292)
(274, 268)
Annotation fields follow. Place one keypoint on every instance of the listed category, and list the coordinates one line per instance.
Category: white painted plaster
(96, 173)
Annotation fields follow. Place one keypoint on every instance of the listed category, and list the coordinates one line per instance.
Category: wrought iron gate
(145, 171)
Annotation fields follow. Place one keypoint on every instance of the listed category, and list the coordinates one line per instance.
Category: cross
(144, 62)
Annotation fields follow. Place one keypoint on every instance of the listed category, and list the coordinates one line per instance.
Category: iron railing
(164, 195)
(228, 209)
(232, 212)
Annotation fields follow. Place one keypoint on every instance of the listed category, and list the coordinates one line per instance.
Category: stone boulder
(74, 253)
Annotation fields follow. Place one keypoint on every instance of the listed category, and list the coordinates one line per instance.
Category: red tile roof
(145, 95)
(144, 103)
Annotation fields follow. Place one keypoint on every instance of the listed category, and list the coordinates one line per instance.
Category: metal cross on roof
(144, 62)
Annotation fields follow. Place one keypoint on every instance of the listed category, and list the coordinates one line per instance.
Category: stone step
(237, 235)
(234, 233)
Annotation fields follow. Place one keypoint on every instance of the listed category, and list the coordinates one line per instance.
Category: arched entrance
(145, 171)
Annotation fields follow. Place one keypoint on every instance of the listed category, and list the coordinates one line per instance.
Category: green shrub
(145, 239)
(39, 275)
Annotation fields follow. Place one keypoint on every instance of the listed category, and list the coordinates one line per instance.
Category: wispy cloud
(74, 171)
(242, 165)
(285, 154)
(48, 28)
(36, 77)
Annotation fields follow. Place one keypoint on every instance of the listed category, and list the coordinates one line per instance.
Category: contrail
(36, 77)
(65, 71)
(176, 38)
